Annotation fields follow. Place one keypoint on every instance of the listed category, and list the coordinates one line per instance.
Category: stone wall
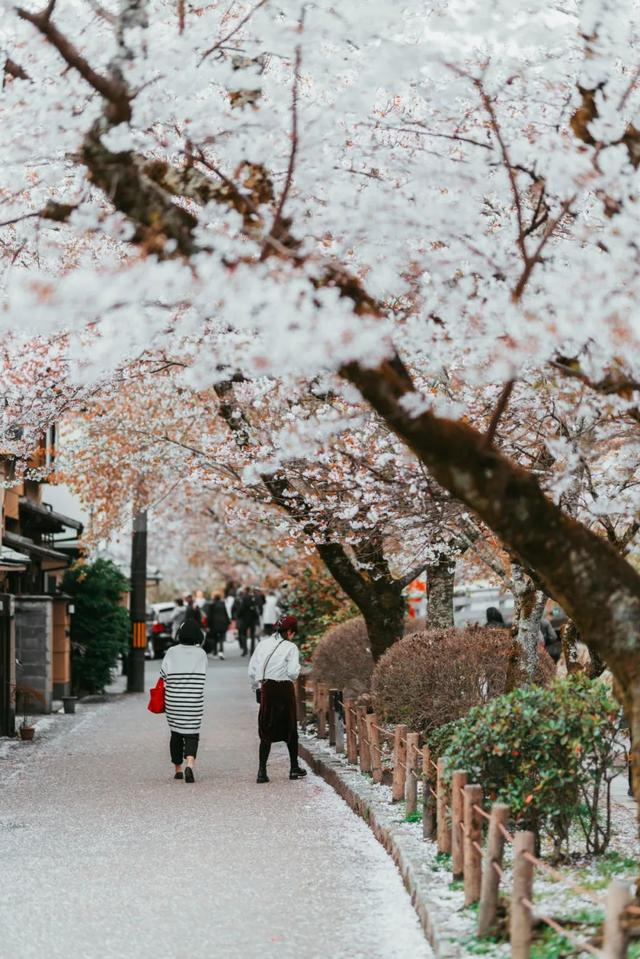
(34, 648)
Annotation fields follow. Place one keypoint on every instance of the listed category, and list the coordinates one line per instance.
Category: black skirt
(277, 721)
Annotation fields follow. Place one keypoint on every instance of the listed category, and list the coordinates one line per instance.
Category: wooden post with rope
(472, 836)
(333, 696)
(340, 723)
(522, 889)
(458, 782)
(428, 798)
(363, 739)
(492, 871)
(350, 731)
(301, 700)
(399, 761)
(443, 825)
(616, 935)
(373, 734)
(322, 695)
(411, 787)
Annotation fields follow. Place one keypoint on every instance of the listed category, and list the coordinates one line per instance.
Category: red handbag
(156, 697)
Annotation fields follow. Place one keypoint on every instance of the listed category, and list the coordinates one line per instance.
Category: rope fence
(455, 818)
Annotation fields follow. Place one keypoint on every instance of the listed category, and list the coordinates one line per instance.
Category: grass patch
(478, 947)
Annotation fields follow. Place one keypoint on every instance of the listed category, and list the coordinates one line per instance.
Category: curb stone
(402, 844)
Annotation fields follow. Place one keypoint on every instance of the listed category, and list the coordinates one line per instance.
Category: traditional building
(37, 545)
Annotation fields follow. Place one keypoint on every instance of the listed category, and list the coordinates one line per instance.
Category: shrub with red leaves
(343, 658)
(435, 676)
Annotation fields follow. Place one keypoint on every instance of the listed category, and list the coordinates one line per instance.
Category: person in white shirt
(270, 614)
(273, 667)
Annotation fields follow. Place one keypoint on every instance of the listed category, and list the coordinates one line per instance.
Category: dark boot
(297, 772)
(262, 774)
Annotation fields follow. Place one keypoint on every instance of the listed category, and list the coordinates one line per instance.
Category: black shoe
(188, 775)
(262, 775)
(179, 776)
(244, 652)
(297, 772)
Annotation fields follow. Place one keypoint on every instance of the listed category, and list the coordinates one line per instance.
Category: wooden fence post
(443, 826)
(363, 739)
(399, 762)
(350, 731)
(428, 799)
(521, 919)
(472, 838)
(490, 874)
(616, 937)
(301, 701)
(333, 704)
(458, 782)
(373, 734)
(321, 709)
(411, 788)
(340, 723)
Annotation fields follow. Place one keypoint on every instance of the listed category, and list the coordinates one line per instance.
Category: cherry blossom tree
(297, 190)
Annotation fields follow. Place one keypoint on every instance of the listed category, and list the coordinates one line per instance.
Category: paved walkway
(104, 856)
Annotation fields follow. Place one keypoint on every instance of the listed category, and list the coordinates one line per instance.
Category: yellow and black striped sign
(139, 635)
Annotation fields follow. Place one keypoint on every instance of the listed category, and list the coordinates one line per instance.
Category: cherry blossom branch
(115, 94)
(274, 233)
(534, 258)
(13, 69)
(58, 212)
(501, 405)
(497, 130)
(232, 33)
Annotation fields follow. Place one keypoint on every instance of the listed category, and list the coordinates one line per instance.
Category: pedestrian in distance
(551, 640)
(217, 623)
(247, 616)
(178, 617)
(271, 613)
(273, 668)
(495, 619)
(192, 610)
(184, 670)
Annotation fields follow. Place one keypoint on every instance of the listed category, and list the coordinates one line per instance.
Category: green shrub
(546, 752)
(99, 625)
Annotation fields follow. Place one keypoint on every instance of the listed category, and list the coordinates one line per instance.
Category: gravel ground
(103, 854)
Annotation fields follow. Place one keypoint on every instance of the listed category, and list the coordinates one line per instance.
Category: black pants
(292, 746)
(244, 630)
(216, 639)
(181, 746)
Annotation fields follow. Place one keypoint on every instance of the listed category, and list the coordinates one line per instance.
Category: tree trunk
(385, 620)
(529, 609)
(377, 595)
(440, 580)
(598, 589)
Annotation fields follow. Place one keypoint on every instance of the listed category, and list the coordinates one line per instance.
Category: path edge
(358, 793)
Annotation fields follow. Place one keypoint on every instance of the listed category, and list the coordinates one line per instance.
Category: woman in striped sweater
(184, 670)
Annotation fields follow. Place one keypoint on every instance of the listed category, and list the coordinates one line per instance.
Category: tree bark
(529, 609)
(440, 581)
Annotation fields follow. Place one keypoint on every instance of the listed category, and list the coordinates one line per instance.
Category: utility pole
(138, 603)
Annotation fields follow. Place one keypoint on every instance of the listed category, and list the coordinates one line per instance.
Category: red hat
(287, 624)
